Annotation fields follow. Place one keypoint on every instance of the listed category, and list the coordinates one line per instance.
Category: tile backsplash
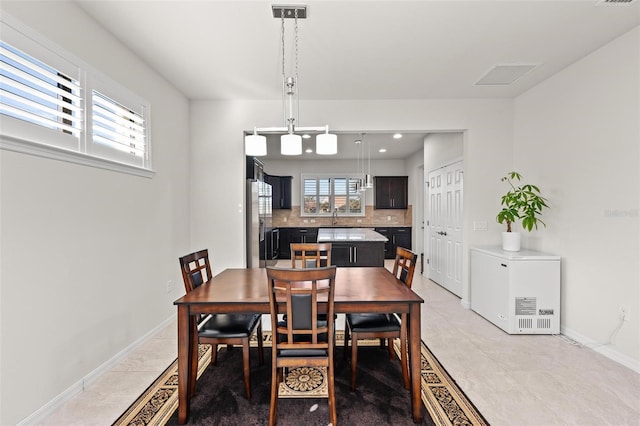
(373, 217)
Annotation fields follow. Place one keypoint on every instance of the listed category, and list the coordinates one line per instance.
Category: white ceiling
(360, 49)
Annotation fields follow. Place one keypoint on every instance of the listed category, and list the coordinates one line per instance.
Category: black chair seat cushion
(229, 325)
(362, 323)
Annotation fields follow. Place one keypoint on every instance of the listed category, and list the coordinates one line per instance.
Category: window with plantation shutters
(53, 105)
(118, 128)
(322, 195)
(37, 93)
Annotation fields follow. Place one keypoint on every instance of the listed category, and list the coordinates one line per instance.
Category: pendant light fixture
(326, 143)
(291, 142)
(368, 179)
(255, 144)
(358, 181)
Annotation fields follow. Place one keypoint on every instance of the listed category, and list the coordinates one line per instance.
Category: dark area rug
(379, 389)
(379, 399)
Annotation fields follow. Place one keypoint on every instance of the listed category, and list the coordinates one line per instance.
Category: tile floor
(512, 379)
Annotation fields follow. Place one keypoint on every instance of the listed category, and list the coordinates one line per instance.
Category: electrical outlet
(623, 312)
(169, 286)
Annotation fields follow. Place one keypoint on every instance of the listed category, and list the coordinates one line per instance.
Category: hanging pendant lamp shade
(368, 182)
(291, 144)
(255, 145)
(326, 143)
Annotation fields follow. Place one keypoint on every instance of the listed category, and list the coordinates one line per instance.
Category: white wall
(86, 253)
(577, 137)
(441, 149)
(218, 159)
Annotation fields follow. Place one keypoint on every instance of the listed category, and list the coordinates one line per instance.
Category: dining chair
(219, 329)
(382, 326)
(310, 255)
(305, 341)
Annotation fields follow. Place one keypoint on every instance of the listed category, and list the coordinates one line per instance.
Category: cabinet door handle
(355, 255)
(503, 264)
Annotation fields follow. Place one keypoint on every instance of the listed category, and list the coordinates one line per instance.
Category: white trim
(43, 412)
(61, 154)
(603, 349)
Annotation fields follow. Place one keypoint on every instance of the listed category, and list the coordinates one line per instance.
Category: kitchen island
(354, 246)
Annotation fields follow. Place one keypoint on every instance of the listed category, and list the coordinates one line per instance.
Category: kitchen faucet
(334, 217)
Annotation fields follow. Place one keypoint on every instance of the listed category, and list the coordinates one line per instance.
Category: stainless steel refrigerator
(259, 224)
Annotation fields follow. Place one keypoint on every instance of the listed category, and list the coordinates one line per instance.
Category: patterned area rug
(443, 399)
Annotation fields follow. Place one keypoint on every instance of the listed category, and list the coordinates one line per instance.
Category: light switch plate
(480, 225)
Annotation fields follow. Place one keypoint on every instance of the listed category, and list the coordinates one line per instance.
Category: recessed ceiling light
(306, 136)
(397, 136)
(382, 150)
(358, 141)
(308, 150)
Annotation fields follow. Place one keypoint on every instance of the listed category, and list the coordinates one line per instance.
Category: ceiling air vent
(502, 75)
(614, 2)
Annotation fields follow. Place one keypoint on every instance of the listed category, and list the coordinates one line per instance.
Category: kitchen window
(324, 194)
(53, 105)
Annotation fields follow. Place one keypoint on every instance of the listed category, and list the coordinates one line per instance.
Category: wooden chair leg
(260, 338)
(354, 359)
(214, 354)
(273, 406)
(346, 342)
(246, 367)
(333, 417)
(390, 344)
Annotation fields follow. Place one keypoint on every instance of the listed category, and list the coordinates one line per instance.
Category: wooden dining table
(358, 289)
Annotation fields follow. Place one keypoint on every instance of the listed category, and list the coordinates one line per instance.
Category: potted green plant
(521, 202)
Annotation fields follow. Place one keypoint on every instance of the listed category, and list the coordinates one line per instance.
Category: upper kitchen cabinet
(391, 192)
(280, 190)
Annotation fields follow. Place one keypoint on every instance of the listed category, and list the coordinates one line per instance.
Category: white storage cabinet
(517, 291)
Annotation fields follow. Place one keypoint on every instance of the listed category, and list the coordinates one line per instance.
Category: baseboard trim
(43, 412)
(602, 348)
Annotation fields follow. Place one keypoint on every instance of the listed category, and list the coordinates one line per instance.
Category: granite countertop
(327, 235)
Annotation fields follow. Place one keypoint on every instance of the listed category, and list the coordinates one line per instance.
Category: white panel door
(452, 213)
(435, 226)
(444, 224)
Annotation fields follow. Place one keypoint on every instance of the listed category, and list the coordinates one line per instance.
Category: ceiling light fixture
(397, 136)
(291, 142)
(359, 181)
(368, 179)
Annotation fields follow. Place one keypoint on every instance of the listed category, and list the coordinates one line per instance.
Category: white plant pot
(511, 241)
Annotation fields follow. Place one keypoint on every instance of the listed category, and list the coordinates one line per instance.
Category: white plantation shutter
(50, 100)
(37, 93)
(117, 127)
(324, 194)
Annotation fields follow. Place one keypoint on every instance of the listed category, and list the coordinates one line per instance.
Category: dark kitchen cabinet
(280, 190)
(357, 254)
(391, 192)
(295, 235)
(397, 237)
